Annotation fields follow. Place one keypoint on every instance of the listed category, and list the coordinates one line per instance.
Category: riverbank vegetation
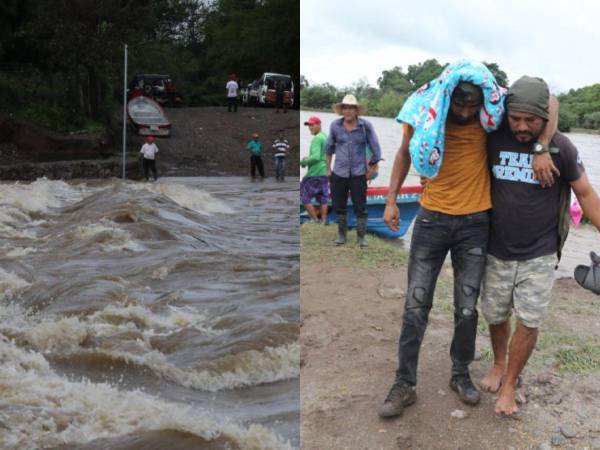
(579, 108)
(61, 63)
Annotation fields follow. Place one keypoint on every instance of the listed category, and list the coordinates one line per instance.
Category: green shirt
(317, 167)
(254, 146)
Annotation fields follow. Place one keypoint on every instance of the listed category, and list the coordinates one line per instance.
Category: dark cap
(530, 95)
(467, 92)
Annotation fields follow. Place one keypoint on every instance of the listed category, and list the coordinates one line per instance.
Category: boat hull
(148, 117)
(407, 201)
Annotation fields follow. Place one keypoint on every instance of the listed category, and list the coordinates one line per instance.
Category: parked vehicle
(262, 91)
(147, 117)
(249, 94)
(158, 87)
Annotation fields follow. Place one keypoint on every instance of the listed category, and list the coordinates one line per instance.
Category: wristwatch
(539, 148)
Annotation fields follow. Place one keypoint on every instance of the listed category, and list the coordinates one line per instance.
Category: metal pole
(124, 110)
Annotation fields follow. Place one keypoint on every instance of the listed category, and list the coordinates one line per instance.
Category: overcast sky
(342, 42)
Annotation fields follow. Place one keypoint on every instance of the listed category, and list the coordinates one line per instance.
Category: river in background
(581, 240)
(149, 315)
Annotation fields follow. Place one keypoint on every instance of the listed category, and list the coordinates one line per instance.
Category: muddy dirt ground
(350, 323)
(211, 141)
(205, 141)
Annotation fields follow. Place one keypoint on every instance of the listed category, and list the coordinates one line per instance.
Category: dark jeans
(358, 193)
(256, 162)
(232, 103)
(149, 164)
(434, 234)
(280, 167)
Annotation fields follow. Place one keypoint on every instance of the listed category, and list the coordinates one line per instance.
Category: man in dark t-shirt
(523, 239)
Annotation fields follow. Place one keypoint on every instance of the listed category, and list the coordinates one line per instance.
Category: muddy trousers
(256, 162)
(434, 235)
(149, 165)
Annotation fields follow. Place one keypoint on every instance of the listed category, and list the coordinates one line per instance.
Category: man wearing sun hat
(348, 139)
(315, 183)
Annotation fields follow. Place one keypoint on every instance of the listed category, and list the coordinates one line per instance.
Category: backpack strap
(564, 218)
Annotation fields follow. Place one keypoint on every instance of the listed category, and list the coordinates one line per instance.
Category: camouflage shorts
(524, 286)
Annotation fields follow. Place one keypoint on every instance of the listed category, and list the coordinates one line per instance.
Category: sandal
(588, 277)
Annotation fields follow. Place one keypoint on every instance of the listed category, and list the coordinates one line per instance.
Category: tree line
(61, 61)
(578, 108)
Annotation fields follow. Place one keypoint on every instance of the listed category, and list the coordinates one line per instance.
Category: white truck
(262, 91)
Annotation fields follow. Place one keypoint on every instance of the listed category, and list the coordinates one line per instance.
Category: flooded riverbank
(149, 315)
(581, 239)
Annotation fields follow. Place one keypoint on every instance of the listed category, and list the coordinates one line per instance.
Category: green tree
(421, 73)
(319, 96)
(500, 75)
(394, 80)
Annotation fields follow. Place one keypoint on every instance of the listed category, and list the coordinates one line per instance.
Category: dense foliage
(578, 108)
(61, 62)
(393, 88)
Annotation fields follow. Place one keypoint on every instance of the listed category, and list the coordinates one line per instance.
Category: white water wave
(40, 409)
(196, 199)
(11, 285)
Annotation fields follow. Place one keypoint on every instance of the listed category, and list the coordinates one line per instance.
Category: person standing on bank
(254, 146)
(315, 183)
(232, 93)
(348, 139)
(149, 151)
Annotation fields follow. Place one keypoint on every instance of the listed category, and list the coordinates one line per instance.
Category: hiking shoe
(467, 392)
(401, 394)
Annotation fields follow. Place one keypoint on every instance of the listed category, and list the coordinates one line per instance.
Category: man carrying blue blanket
(445, 125)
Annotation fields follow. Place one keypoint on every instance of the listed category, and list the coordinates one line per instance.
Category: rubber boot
(342, 230)
(361, 232)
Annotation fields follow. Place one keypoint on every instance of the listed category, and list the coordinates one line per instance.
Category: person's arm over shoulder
(543, 167)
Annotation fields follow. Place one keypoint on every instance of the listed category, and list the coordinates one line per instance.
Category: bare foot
(506, 403)
(493, 379)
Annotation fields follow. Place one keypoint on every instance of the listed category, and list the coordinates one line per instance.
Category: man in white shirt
(232, 94)
(149, 150)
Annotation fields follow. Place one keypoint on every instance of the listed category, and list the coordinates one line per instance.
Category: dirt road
(205, 141)
(351, 306)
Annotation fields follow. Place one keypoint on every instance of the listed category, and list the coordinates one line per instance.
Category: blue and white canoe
(408, 203)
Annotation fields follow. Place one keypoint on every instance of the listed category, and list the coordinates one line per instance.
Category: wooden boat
(148, 117)
(407, 200)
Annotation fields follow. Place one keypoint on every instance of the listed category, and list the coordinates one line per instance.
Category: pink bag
(575, 212)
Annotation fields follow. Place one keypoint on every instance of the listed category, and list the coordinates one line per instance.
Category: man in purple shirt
(349, 138)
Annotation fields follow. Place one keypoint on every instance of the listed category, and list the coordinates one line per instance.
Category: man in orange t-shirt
(454, 217)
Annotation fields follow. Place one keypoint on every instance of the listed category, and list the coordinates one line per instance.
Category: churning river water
(149, 315)
(581, 239)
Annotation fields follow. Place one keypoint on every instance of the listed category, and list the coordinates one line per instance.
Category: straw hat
(349, 100)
